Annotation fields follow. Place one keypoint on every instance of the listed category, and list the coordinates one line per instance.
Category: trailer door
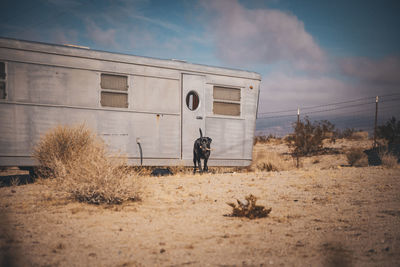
(193, 110)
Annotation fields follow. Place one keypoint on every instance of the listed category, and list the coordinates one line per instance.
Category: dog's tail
(201, 133)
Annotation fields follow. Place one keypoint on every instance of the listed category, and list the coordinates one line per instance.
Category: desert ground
(324, 213)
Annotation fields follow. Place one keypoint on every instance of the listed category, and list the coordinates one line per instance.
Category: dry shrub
(271, 161)
(359, 136)
(15, 181)
(264, 139)
(248, 208)
(308, 137)
(79, 162)
(388, 160)
(61, 145)
(356, 157)
(390, 131)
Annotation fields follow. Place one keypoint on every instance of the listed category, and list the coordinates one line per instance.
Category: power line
(317, 111)
(329, 104)
(278, 116)
(390, 100)
(312, 107)
(332, 109)
(384, 108)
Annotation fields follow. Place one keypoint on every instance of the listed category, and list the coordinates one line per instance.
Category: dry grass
(359, 136)
(356, 157)
(270, 139)
(388, 160)
(15, 181)
(79, 162)
(181, 169)
(271, 161)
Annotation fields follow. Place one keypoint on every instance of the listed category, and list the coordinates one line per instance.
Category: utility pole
(297, 137)
(376, 118)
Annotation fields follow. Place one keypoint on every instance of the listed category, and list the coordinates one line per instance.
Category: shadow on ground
(19, 179)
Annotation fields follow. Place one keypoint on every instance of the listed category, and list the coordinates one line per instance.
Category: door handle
(199, 117)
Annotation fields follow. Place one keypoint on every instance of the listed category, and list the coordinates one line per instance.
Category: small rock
(371, 250)
(162, 250)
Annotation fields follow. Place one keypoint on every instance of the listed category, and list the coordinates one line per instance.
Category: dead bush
(388, 159)
(271, 161)
(248, 208)
(59, 146)
(356, 157)
(79, 162)
(264, 139)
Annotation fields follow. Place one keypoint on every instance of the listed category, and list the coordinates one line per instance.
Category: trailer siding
(49, 85)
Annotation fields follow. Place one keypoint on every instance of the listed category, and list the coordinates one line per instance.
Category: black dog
(201, 150)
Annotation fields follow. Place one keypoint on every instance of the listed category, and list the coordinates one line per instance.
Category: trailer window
(114, 91)
(3, 80)
(226, 101)
(192, 100)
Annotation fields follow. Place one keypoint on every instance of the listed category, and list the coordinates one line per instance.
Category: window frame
(114, 91)
(4, 80)
(238, 102)
(195, 94)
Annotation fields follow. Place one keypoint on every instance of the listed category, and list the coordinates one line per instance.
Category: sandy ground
(323, 214)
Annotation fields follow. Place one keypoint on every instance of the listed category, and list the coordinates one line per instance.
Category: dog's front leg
(194, 164)
(199, 164)
(205, 168)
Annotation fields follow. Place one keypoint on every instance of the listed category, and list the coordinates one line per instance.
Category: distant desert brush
(271, 161)
(388, 160)
(79, 161)
(356, 157)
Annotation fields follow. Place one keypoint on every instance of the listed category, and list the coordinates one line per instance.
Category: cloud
(64, 36)
(157, 22)
(103, 37)
(248, 36)
(385, 70)
(281, 91)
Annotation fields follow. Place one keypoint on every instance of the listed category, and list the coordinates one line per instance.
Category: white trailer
(125, 99)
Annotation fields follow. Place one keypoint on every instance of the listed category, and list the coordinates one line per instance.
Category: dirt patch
(322, 215)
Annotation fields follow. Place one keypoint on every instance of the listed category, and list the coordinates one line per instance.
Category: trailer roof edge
(85, 52)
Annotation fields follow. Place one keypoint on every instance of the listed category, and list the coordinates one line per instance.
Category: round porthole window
(192, 100)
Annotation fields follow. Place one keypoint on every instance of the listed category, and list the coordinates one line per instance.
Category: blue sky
(309, 53)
